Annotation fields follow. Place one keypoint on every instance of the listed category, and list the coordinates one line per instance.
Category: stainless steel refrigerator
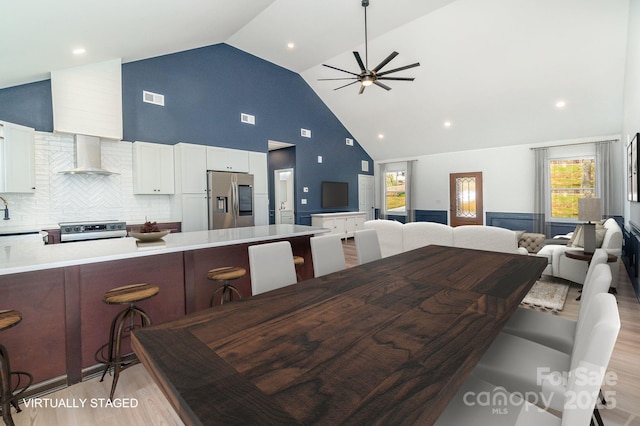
(230, 199)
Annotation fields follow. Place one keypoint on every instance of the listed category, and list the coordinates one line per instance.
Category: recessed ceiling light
(79, 51)
(380, 136)
(291, 45)
(447, 124)
(561, 104)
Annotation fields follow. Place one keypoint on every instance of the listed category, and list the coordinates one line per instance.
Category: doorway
(465, 199)
(283, 183)
(366, 195)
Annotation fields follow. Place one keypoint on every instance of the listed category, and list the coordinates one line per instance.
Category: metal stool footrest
(9, 395)
(114, 359)
(227, 294)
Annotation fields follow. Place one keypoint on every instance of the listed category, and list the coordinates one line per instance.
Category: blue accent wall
(28, 105)
(205, 91)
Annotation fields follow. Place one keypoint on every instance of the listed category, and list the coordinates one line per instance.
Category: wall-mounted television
(335, 195)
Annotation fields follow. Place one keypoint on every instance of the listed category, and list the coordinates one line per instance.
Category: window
(570, 179)
(395, 192)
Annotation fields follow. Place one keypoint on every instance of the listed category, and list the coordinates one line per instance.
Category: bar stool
(125, 321)
(298, 260)
(7, 397)
(223, 275)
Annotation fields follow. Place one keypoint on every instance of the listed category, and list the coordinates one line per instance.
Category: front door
(465, 199)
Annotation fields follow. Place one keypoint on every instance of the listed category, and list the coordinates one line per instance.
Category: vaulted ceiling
(493, 69)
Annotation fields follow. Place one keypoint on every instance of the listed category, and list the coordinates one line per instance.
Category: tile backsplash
(63, 198)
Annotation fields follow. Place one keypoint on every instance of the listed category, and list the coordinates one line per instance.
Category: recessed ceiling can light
(291, 45)
(380, 136)
(561, 104)
(79, 51)
(447, 124)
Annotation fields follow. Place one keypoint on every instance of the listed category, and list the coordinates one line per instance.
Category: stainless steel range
(81, 231)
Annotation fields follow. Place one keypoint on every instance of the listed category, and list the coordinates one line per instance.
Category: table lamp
(589, 210)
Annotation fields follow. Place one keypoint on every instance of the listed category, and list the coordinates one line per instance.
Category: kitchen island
(58, 288)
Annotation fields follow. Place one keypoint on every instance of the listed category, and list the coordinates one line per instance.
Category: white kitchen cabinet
(190, 199)
(190, 168)
(343, 224)
(260, 209)
(153, 168)
(17, 158)
(227, 160)
(258, 168)
(194, 212)
(286, 217)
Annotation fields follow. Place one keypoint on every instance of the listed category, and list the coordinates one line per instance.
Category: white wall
(631, 118)
(508, 175)
(63, 198)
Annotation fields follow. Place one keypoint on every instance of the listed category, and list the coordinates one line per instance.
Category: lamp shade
(589, 209)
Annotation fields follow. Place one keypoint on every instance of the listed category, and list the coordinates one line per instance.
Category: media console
(343, 224)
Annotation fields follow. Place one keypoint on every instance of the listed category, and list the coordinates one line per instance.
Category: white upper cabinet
(190, 168)
(152, 168)
(227, 160)
(87, 100)
(17, 158)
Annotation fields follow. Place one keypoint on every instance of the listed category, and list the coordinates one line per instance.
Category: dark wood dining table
(387, 342)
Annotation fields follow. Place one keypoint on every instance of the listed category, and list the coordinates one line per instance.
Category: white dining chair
(271, 266)
(568, 384)
(556, 332)
(327, 254)
(535, 370)
(367, 245)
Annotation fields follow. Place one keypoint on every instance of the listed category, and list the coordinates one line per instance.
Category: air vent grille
(152, 98)
(247, 118)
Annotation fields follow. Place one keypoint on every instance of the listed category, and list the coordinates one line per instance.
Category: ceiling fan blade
(361, 89)
(360, 63)
(348, 84)
(397, 78)
(348, 72)
(384, 86)
(343, 78)
(385, 62)
(406, 67)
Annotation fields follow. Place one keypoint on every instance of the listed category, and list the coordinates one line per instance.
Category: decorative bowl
(148, 236)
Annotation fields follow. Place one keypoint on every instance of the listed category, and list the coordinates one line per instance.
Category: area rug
(547, 295)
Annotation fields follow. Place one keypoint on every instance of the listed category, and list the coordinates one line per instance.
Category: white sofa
(576, 270)
(395, 237)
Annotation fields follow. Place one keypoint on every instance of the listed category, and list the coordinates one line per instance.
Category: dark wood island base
(65, 320)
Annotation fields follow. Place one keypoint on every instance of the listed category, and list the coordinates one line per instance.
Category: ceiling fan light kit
(367, 77)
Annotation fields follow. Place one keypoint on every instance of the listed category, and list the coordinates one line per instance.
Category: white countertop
(18, 256)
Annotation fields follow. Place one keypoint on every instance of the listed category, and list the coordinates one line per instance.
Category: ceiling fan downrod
(365, 3)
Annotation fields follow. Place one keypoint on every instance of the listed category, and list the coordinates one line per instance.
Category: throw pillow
(578, 236)
(575, 237)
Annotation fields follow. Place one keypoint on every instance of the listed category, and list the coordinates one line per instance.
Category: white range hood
(87, 100)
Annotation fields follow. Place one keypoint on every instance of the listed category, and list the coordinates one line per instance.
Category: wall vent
(152, 98)
(305, 133)
(247, 118)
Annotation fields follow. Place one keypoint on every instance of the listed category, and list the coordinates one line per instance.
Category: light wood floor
(153, 408)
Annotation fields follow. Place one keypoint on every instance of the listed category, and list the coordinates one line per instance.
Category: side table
(581, 255)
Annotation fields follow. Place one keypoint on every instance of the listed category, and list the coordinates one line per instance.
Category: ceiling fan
(366, 77)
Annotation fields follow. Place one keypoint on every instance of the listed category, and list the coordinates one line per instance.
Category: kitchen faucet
(6, 208)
